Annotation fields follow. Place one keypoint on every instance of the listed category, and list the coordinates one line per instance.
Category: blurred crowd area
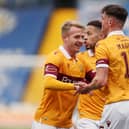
(29, 30)
(30, 3)
(23, 3)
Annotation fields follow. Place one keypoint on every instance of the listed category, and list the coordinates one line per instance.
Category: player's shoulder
(124, 38)
(55, 55)
(101, 42)
(127, 37)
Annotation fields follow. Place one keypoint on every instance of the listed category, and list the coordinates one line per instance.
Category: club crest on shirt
(81, 68)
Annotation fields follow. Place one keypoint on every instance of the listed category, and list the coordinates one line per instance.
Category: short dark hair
(95, 23)
(116, 11)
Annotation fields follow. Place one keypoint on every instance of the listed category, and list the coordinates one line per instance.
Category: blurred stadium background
(29, 30)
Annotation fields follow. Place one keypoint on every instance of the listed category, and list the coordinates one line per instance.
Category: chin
(87, 47)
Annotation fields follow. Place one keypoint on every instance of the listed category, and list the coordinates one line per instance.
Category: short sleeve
(101, 54)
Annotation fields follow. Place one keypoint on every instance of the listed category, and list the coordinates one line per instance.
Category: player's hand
(81, 88)
(84, 90)
(79, 85)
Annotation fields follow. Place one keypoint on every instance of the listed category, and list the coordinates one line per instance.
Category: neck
(115, 29)
(72, 54)
(93, 49)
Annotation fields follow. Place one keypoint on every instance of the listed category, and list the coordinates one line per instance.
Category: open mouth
(78, 45)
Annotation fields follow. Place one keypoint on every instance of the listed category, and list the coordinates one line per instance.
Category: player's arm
(53, 83)
(98, 81)
(51, 73)
(102, 67)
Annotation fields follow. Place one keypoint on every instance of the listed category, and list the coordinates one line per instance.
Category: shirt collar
(65, 53)
(90, 52)
(117, 32)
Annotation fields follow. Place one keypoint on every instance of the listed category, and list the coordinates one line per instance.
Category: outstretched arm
(98, 81)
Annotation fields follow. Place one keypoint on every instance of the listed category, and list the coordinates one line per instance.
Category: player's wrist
(76, 87)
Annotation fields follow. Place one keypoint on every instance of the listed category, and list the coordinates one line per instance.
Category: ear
(66, 38)
(109, 21)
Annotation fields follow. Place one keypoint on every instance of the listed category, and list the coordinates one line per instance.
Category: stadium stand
(21, 33)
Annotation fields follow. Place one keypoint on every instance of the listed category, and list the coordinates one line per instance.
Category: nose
(85, 39)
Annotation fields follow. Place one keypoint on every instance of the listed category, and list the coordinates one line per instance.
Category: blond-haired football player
(61, 70)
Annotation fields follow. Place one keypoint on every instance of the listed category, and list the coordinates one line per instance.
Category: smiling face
(73, 39)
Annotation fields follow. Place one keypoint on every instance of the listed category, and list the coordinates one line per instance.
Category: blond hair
(68, 24)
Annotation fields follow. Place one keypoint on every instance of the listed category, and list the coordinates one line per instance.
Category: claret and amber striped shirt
(58, 100)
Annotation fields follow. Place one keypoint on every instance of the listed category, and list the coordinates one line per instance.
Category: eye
(77, 36)
(88, 32)
(83, 37)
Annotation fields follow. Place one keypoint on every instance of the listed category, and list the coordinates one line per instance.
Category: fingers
(81, 88)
